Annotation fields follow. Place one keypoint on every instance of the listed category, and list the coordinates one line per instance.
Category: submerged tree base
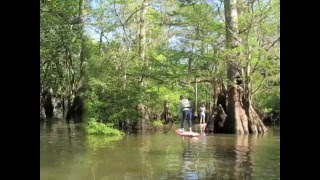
(240, 118)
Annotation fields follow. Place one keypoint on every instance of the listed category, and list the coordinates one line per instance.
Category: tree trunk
(78, 109)
(241, 116)
(166, 116)
(48, 107)
(142, 48)
(144, 122)
(231, 19)
(196, 97)
(142, 34)
(218, 114)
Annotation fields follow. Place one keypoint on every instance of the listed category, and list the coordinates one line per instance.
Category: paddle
(172, 123)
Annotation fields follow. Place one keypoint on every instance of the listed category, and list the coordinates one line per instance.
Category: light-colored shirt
(203, 110)
(184, 104)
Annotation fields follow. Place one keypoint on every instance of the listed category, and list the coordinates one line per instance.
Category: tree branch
(273, 44)
(219, 10)
(258, 86)
(77, 20)
(199, 80)
(99, 33)
(131, 16)
(123, 25)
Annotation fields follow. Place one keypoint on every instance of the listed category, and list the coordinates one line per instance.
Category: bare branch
(258, 86)
(131, 16)
(199, 80)
(267, 4)
(273, 44)
(255, 66)
(99, 33)
(123, 25)
(219, 12)
(208, 80)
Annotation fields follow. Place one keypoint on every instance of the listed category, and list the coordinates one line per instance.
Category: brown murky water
(66, 153)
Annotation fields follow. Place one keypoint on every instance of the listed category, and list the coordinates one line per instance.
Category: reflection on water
(67, 153)
(188, 170)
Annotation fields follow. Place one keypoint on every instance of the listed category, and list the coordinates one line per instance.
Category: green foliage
(110, 102)
(268, 101)
(157, 123)
(185, 41)
(97, 128)
(60, 45)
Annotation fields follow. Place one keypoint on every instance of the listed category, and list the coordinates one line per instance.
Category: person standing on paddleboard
(186, 112)
(202, 114)
(202, 119)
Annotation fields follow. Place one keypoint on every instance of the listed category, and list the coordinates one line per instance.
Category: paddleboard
(187, 133)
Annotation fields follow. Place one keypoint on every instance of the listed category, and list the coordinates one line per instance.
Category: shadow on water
(241, 157)
(225, 157)
(188, 162)
(56, 136)
(234, 159)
